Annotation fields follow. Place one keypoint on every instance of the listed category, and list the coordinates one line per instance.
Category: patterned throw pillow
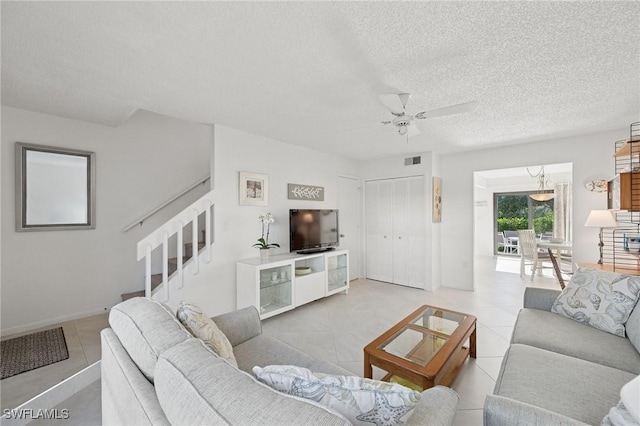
(361, 401)
(203, 327)
(601, 299)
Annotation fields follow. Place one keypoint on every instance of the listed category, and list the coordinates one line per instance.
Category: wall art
(305, 192)
(437, 200)
(253, 189)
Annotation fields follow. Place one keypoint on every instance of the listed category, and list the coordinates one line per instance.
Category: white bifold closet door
(395, 230)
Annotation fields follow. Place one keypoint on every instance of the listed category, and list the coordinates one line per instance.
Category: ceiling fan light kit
(397, 103)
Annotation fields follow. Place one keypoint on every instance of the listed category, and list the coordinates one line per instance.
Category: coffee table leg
(368, 371)
(472, 344)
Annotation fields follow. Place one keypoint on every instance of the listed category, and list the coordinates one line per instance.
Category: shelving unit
(290, 280)
(621, 251)
(624, 189)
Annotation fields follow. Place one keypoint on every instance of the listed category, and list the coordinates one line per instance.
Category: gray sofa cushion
(569, 386)
(501, 411)
(633, 327)
(196, 387)
(437, 407)
(241, 325)
(146, 328)
(127, 396)
(553, 332)
(265, 350)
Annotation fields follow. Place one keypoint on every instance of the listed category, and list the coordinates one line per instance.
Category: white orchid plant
(263, 242)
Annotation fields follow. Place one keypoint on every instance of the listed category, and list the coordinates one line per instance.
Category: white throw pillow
(627, 412)
(203, 327)
(601, 299)
(361, 401)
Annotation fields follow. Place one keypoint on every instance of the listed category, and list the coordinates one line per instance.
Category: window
(516, 210)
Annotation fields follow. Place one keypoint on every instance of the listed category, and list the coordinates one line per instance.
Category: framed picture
(55, 188)
(253, 189)
(437, 200)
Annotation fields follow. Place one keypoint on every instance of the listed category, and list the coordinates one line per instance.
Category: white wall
(237, 227)
(393, 168)
(591, 155)
(483, 217)
(53, 276)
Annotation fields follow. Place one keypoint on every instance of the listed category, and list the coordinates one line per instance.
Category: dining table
(557, 247)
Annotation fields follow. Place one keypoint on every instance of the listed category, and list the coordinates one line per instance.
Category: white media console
(286, 281)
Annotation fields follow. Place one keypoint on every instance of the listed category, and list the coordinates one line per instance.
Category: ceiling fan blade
(449, 110)
(386, 122)
(412, 130)
(392, 102)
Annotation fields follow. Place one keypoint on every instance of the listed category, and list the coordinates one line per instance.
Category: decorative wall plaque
(437, 200)
(305, 192)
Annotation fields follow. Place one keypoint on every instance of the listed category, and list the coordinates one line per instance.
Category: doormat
(26, 353)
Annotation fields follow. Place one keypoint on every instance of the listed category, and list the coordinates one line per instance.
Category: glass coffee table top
(420, 340)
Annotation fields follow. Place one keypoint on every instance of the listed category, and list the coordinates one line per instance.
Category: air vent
(410, 161)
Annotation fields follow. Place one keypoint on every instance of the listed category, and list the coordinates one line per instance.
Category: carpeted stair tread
(188, 251)
(156, 279)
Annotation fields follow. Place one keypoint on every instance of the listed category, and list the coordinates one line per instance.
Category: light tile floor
(83, 342)
(337, 328)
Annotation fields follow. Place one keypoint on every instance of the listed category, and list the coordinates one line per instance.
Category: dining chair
(546, 235)
(500, 242)
(529, 253)
(511, 242)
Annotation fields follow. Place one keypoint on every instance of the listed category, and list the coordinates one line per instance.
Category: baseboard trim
(52, 397)
(52, 321)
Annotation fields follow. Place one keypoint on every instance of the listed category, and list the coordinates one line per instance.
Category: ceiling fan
(397, 103)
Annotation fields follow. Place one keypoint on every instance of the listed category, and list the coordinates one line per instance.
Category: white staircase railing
(140, 221)
(174, 226)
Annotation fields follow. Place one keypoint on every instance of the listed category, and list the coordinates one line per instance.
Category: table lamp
(601, 219)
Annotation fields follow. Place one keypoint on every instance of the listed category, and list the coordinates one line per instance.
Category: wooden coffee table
(426, 348)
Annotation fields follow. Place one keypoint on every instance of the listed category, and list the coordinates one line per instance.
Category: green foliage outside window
(513, 213)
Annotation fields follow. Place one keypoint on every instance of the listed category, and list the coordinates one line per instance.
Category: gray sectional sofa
(558, 371)
(155, 372)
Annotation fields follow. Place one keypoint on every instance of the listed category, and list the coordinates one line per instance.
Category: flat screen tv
(313, 230)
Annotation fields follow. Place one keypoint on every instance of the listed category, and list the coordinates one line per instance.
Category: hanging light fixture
(542, 194)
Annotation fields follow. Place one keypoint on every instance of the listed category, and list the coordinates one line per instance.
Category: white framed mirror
(55, 188)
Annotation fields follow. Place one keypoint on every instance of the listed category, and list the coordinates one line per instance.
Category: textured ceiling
(310, 73)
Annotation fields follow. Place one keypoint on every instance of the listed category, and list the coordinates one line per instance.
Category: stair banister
(146, 216)
(180, 256)
(161, 236)
(147, 268)
(207, 227)
(194, 241)
(165, 265)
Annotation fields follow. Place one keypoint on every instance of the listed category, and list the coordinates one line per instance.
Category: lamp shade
(542, 196)
(601, 219)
